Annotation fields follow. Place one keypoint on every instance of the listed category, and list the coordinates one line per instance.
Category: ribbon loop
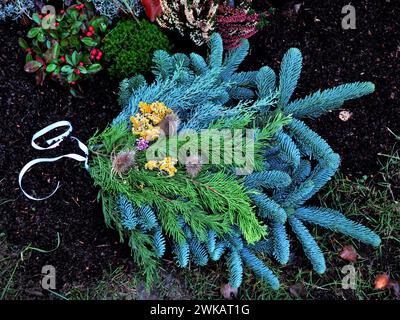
(53, 143)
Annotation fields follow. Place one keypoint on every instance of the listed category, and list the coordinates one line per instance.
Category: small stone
(345, 115)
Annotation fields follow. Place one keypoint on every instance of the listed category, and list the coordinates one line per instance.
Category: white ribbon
(53, 143)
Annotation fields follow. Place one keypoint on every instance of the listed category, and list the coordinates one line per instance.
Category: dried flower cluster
(145, 123)
(167, 165)
(195, 18)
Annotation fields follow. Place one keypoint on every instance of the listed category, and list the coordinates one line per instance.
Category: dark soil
(332, 56)
(87, 247)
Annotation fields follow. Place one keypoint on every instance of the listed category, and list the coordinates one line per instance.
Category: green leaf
(48, 55)
(73, 92)
(72, 77)
(94, 23)
(36, 18)
(41, 37)
(23, 44)
(74, 13)
(93, 68)
(89, 42)
(40, 76)
(67, 69)
(33, 32)
(57, 70)
(51, 67)
(37, 50)
(83, 70)
(56, 50)
(48, 44)
(53, 33)
(64, 34)
(103, 27)
(76, 27)
(75, 58)
(32, 66)
(75, 42)
(28, 58)
(68, 58)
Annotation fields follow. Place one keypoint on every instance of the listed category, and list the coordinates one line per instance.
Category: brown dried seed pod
(123, 161)
(193, 166)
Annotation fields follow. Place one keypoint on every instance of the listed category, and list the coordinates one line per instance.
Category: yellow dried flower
(145, 107)
(151, 165)
(150, 115)
(156, 119)
(151, 134)
(167, 165)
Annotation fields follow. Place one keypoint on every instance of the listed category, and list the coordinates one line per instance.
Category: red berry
(62, 11)
(89, 34)
(57, 24)
(81, 64)
(100, 54)
(93, 52)
(73, 83)
(40, 16)
(63, 59)
(77, 71)
(98, 57)
(91, 28)
(80, 37)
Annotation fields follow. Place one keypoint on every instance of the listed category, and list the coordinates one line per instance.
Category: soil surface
(332, 56)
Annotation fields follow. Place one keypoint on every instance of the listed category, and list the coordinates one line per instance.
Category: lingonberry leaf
(36, 18)
(23, 44)
(56, 50)
(40, 76)
(83, 70)
(41, 37)
(67, 69)
(51, 67)
(68, 57)
(53, 34)
(89, 42)
(32, 66)
(28, 58)
(93, 68)
(33, 32)
(75, 58)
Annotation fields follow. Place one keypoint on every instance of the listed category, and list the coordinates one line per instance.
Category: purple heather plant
(142, 144)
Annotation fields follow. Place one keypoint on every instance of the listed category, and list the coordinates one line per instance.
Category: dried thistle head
(193, 166)
(123, 161)
(169, 125)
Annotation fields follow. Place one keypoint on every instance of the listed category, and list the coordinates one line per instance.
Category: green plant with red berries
(64, 45)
